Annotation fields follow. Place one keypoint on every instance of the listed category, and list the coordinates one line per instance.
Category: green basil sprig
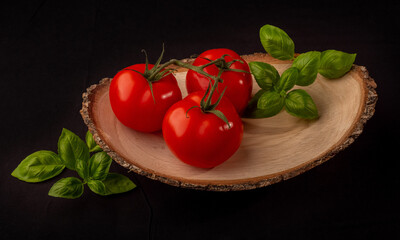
(276, 95)
(74, 154)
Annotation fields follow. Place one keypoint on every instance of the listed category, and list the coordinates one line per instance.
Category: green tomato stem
(199, 69)
(159, 71)
(213, 88)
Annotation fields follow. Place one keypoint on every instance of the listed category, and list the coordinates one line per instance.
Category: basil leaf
(299, 104)
(92, 145)
(271, 103)
(117, 183)
(265, 74)
(71, 147)
(335, 64)
(98, 187)
(70, 187)
(39, 166)
(287, 80)
(99, 165)
(308, 64)
(82, 168)
(276, 42)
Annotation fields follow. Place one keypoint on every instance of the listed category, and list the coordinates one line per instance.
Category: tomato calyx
(205, 103)
(157, 72)
(154, 74)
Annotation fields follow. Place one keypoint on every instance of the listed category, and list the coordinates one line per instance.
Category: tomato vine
(161, 70)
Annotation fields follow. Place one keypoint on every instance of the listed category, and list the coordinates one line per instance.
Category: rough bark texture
(368, 105)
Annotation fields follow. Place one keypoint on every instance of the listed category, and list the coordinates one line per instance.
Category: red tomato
(202, 139)
(132, 102)
(239, 85)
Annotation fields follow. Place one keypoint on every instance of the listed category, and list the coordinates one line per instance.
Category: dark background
(51, 51)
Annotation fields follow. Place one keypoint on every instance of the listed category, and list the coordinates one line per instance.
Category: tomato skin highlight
(202, 139)
(238, 85)
(132, 102)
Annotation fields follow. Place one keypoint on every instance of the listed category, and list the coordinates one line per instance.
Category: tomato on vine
(236, 78)
(203, 130)
(141, 94)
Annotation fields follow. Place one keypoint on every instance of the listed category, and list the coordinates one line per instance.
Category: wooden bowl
(273, 149)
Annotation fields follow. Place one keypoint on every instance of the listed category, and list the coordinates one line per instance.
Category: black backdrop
(51, 51)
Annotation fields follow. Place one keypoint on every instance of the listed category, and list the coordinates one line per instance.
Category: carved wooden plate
(273, 149)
